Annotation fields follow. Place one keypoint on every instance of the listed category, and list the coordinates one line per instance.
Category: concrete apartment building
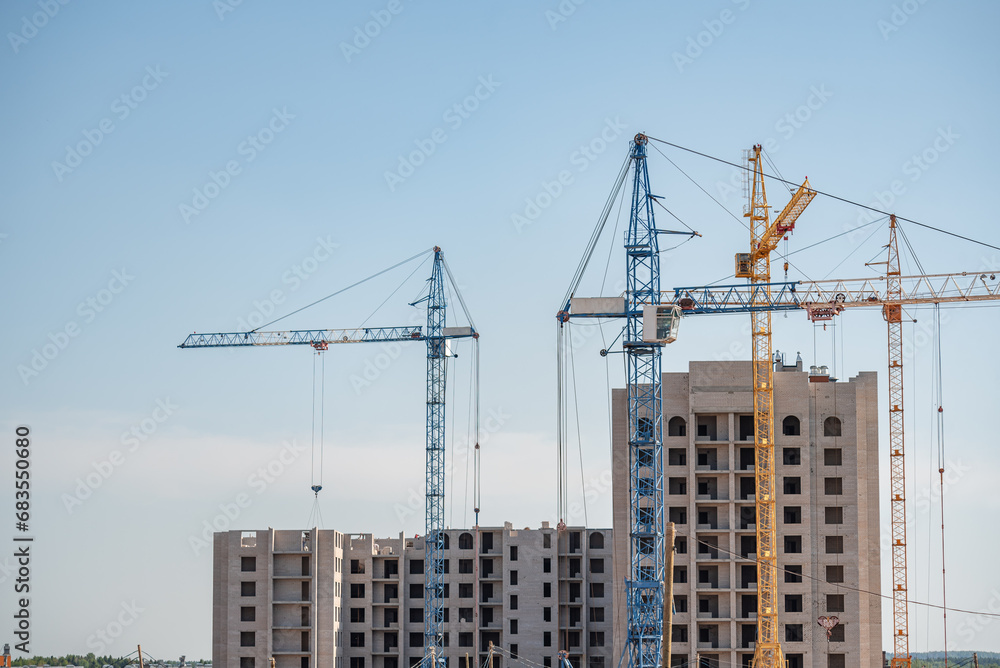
(826, 453)
(330, 599)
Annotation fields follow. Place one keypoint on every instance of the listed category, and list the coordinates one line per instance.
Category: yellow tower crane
(756, 265)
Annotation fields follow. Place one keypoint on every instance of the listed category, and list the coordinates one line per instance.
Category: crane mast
(434, 513)
(644, 588)
(767, 652)
(893, 311)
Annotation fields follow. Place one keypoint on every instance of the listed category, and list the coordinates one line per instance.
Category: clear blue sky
(300, 133)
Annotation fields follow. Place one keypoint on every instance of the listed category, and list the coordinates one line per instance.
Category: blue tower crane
(648, 326)
(437, 335)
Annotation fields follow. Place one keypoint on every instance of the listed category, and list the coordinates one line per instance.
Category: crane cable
(747, 227)
(315, 515)
(596, 234)
(939, 431)
(477, 467)
(831, 196)
(819, 580)
(579, 434)
(342, 290)
(476, 396)
(560, 425)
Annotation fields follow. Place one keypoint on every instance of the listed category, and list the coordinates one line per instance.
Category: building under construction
(826, 453)
(326, 598)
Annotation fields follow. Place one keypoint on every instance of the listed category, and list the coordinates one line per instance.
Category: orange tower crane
(822, 300)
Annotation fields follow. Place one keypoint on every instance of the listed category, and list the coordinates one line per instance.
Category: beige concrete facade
(324, 598)
(826, 453)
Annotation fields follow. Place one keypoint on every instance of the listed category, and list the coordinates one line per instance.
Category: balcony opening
(792, 485)
(676, 457)
(707, 427)
(790, 426)
(793, 514)
(748, 605)
(748, 546)
(746, 428)
(831, 426)
(791, 456)
(677, 426)
(708, 457)
(793, 602)
(596, 541)
(487, 542)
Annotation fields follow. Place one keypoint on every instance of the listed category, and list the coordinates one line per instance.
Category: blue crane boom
(436, 334)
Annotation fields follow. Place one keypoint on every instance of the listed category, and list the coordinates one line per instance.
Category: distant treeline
(88, 661)
(955, 660)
